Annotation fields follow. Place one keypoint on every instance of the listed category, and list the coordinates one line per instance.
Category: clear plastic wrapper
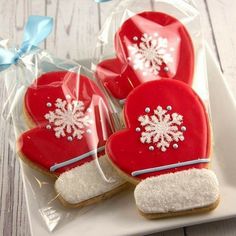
(150, 58)
(62, 116)
(142, 41)
(61, 119)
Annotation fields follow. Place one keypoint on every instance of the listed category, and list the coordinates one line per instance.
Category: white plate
(118, 216)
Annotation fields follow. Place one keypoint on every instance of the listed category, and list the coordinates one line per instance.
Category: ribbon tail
(36, 31)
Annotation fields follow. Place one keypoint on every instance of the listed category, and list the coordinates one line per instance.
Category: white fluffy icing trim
(84, 182)
(184, 190)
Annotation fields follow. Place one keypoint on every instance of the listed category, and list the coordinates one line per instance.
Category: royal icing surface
(71, 119)
(184, 190)
(167, 131)
(85, 182)
(149, 46)
(150, 54)
(160, 128)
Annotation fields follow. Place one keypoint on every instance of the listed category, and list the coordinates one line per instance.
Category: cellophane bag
(61, 120)
(147, 40)
(150, 58)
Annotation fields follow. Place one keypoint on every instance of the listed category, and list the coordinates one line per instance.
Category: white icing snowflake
(161, 128)
(68, 119)
(150, 53)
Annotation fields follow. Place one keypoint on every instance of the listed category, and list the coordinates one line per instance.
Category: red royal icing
(188, 129)
(82, 120)
(147, 45)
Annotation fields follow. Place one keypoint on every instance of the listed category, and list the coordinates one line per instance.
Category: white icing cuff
(85, 182)
(184, 190)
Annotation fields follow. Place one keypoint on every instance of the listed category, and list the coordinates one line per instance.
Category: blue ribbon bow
(36, 30)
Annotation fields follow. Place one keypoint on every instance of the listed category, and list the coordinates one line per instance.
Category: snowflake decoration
(161, 128)
(150, 54)
(68, 119)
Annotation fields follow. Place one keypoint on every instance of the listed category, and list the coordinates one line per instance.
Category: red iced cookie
(149, 46)
(71, 122)
(167, 131)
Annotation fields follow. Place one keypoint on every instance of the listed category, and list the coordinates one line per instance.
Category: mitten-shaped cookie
(165, 149)
(149, 46)
(70, 123)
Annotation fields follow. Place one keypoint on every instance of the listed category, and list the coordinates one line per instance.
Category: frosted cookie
(166, 147)
(70, 123)
(149, 46)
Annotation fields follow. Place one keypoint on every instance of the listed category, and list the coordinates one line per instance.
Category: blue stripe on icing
(79, 158)
(100, 1)
(171, 166)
